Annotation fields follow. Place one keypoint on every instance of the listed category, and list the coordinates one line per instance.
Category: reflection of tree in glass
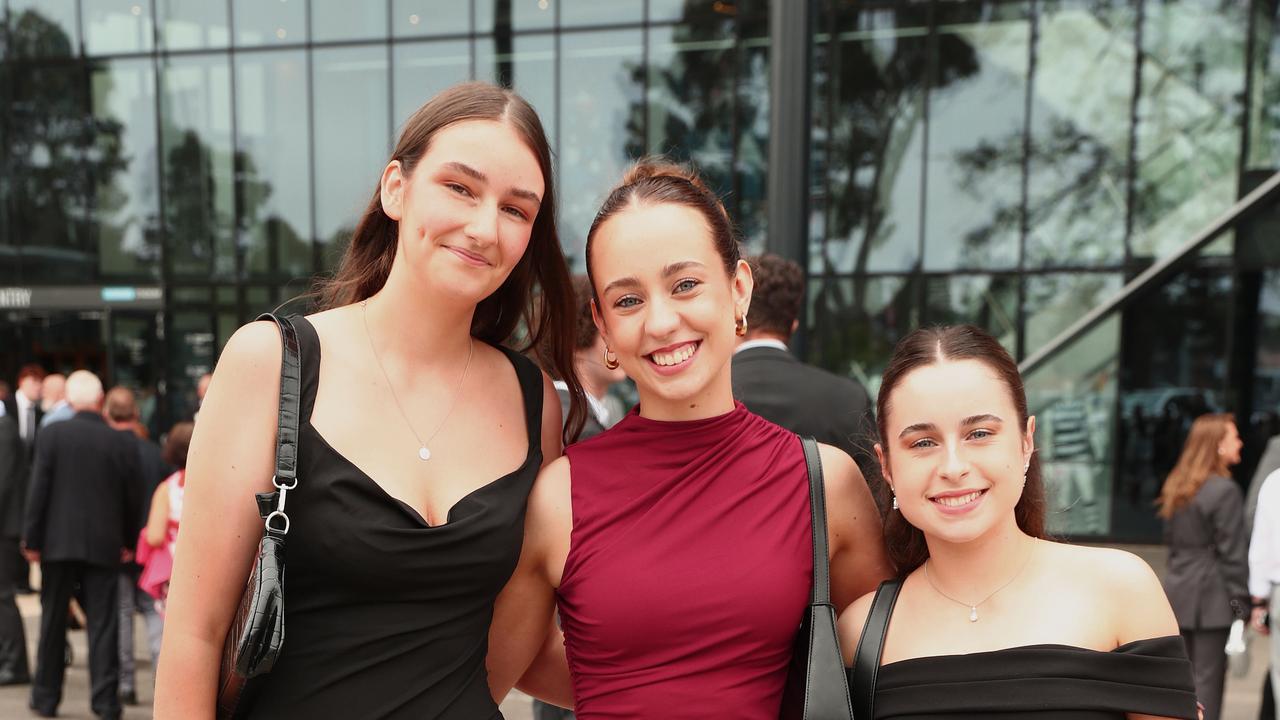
(58, 161)
(694, 100)
(875, 89)
(193, 219)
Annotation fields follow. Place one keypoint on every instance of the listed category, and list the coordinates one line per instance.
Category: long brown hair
(1198, 462)
(548, 321)
(929, 346)
(655, 180)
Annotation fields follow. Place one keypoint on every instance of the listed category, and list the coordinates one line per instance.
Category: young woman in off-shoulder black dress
(993, 620)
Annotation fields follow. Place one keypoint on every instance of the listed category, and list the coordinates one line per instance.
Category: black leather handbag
(816, 686)
(866, 660)
(257, 631)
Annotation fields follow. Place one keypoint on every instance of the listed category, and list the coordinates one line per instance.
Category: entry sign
(80, 297)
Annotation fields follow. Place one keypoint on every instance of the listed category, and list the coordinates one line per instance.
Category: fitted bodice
(385, 615)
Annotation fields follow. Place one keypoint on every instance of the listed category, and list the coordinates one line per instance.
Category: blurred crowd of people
(88, 497)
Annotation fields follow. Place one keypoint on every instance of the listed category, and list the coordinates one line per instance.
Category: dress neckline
(714, 422)
(531, 451)
(1125, 647)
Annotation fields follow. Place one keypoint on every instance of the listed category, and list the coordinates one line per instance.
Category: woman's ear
(1029, 440)
(743, 283)
(884, 465)
(599, 321)
(392, 190)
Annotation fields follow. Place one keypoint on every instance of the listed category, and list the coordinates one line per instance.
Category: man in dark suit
(13, 483)
(773, 384)
(81, 516)
(24, 407)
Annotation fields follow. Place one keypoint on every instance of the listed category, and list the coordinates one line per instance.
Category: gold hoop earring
(740, 326)
(610, 360)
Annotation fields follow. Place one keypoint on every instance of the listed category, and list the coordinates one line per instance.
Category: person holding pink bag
(156, 542)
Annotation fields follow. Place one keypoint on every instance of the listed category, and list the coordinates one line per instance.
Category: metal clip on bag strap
(866, 660)
(286, 473)
(818, 506)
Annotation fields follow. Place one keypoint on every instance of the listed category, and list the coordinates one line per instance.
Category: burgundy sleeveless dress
(689, 569)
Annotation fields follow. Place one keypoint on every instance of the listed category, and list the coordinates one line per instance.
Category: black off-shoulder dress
(1041, 682)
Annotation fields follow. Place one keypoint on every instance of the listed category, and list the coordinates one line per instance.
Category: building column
(789, 86)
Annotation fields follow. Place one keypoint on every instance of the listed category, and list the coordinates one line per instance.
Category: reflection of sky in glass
(596, 105)
(346, 20)
(984, 108)
(416, 18)
(270, 87)
(270, 22)
(117, 26)
(193, 24)
(1188, 139)
(424, 69)
(1080, 136)
(352, 133)
(124, 91)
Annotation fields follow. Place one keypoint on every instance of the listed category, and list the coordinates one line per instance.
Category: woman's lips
(673, 358)
(468, 257)
(958, 503)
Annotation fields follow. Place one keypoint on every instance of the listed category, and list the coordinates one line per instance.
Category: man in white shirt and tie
(1264, 568)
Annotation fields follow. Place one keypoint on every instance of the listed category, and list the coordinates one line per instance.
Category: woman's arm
(1229, 539)
(158, 518)
(522, 616)
(232, 457)
(551, 422)
(858, 559)
(1144, 610)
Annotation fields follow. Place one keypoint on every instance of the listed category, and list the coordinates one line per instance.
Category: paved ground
(1242, 695)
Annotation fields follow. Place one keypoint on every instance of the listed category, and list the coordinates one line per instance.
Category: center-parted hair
(930, 346)
(657, 181)
(536, 297)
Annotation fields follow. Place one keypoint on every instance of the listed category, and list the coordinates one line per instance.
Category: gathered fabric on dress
(689, 569)
(1041, 682)
(387, 616)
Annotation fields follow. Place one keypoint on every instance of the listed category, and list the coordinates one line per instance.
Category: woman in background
(1207, 579)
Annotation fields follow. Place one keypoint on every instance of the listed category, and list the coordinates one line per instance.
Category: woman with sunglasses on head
(420, 437)
(993, 620)
(678, 542)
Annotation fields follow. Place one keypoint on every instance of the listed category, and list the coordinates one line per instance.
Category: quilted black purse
(257, 631)
(817, 688)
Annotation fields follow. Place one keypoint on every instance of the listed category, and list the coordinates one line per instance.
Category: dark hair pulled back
(542, 271)
(656, 180)
(929, 346)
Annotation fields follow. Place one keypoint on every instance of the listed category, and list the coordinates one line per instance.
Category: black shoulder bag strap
(866, 660)
(271, 505)
(826, 694)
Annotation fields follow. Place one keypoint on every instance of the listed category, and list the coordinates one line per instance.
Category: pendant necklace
(423, 452)
(973, 608)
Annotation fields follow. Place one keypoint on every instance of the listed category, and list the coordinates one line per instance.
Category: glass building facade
(170, 168)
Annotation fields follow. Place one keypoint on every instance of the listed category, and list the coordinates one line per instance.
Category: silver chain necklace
(423, 452)
(973, 608)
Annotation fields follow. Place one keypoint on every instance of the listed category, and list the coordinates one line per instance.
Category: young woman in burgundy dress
(993, 620)
(677, 543)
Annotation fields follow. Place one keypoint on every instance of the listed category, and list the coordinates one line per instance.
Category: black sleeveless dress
(385, 615)
(1041, 682)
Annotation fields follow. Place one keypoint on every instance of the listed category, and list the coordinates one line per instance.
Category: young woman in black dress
(994, 620)
(420, 437)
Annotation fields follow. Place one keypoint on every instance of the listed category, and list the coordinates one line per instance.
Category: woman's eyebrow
(918, 427)
(980, 419)
(481, 177)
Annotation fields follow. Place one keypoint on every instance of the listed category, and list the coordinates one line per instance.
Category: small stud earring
(895, 502)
